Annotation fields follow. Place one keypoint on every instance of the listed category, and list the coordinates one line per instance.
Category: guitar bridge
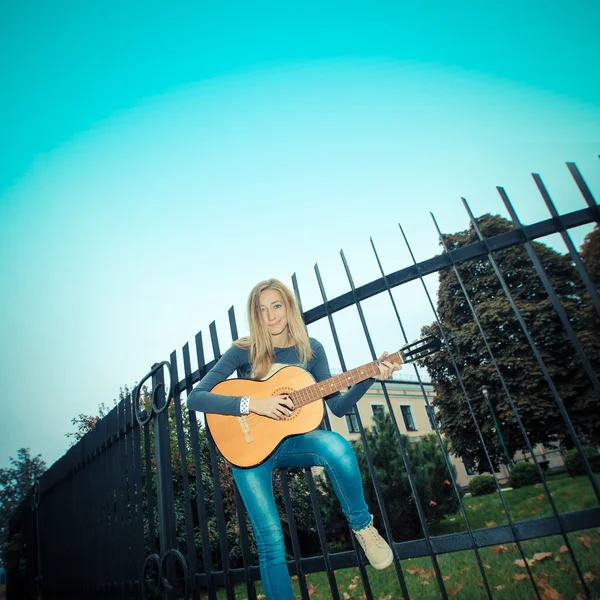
(245, 429)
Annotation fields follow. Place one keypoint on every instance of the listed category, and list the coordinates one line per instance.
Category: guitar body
(249, 440)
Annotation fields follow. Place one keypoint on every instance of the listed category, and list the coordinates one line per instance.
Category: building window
(378, 412)
(352, 421)
(409, 422)
(431, 415)
(469, 468)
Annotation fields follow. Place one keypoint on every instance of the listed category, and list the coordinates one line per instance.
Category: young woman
(277, 338)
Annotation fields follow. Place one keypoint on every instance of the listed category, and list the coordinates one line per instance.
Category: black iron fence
(144, 507)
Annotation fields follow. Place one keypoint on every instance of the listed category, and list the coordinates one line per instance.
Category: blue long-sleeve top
(237, 359)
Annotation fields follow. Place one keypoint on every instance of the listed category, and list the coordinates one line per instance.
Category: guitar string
(308, 394)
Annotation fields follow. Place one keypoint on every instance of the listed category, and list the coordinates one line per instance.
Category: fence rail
(142, 506)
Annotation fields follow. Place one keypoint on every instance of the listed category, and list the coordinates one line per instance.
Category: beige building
(410, 409)
(414, 419)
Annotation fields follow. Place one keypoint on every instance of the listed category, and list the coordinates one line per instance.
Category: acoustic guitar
(248, 441)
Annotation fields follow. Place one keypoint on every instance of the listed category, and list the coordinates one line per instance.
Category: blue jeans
(317, 448)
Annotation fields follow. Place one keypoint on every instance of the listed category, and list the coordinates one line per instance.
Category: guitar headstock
(420, 349)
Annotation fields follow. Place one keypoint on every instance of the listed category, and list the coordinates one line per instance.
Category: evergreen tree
(431, 478)
(517, 363)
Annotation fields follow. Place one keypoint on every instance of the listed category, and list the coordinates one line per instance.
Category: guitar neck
(315, 392)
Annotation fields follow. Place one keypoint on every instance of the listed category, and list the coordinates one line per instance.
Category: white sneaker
(377, 550)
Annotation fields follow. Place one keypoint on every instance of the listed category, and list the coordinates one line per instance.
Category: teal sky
(158, 162)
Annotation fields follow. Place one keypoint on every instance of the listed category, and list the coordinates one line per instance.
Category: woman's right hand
(274, 407)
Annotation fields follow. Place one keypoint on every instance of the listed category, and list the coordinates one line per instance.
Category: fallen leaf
(487, 566)
(432, 503)
(312, 589)
(589, 577)
(294, 577)
(413, 570)
(549, 593)
(580, 597)
(520, 576)
(454, 592)
(563, 549)
(490, 523)
(585, 540)
(424, 582)
(446, 577)
(565, 568)
(540, 496)
(446, 482)
(521, 563)
(499, 587)
(542, 555)
(557, 559)
(499, 549)
(347, 596)
(352, 586)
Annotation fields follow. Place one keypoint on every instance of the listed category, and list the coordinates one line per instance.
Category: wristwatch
(245, 405)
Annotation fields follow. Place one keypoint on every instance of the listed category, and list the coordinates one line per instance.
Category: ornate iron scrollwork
(155, 575)
(144, 416)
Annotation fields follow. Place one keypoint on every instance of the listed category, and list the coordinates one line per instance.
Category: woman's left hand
(386, 368)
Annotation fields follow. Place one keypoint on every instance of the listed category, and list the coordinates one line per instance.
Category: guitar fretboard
(316, 391)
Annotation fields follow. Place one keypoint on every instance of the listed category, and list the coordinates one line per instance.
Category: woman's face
(274, 312)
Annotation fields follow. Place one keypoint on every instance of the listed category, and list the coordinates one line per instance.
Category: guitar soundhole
(288, 390)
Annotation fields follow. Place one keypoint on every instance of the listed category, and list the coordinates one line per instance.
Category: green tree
(590, 254)
(516, 361)
(85, 423)
(431, 478)
(15, 483)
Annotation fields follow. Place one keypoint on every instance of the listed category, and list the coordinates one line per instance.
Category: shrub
(481, 485)
(523, 473)
(575, 465)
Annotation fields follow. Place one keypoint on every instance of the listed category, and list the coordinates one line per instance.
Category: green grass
(525, 503)
(554, 574)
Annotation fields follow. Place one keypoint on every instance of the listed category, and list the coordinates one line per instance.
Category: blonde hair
(259, 342)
